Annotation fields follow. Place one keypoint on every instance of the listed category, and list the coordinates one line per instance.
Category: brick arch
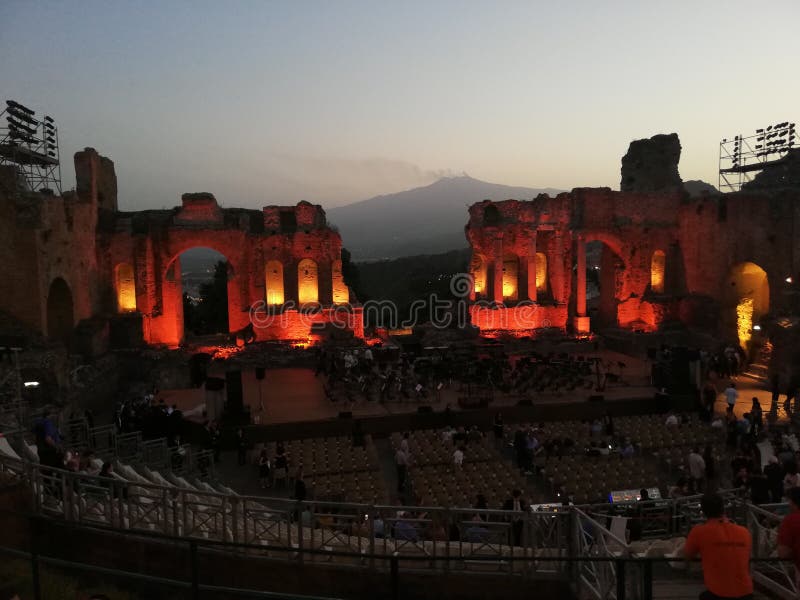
(60, 310)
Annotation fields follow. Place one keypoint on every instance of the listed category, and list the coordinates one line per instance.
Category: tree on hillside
(210, 313)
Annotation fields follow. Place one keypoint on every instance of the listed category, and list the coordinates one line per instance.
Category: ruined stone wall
(83, 239)
(153, 240)
(702, 240)
(53, 237)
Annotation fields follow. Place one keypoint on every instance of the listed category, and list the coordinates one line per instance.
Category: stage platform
(293, 394)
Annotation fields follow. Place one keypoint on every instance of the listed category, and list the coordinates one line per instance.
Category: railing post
(647, 592)
(37, 588)
(372, 514)
(299, 534)
(195, 570)
(447, 524)
(395, 576)
(620, 579)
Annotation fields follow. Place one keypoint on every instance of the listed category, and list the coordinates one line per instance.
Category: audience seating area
(436, 481)
(590, 479)
(333, 468)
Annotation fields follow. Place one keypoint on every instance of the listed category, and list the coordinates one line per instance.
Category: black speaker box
(597, 398)
(425, 409)
(346, 414)
(233, 384)
(215, 384)
(260, 373)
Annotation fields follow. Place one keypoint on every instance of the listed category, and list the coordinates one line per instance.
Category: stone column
(497, 283)
(531, 273)
(581, 320)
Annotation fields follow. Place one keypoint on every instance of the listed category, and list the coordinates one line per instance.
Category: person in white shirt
(404, 443)
(401, 460)
(458, 457)
(697, 470)
(731, 395)
(672, 420)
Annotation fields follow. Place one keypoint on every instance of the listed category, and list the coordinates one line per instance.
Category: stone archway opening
(60, 311)
(203, 275)
(603, 267)
(745, 301)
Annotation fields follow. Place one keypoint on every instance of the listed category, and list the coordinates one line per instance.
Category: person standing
(697, 470)
(731, 396)
(264, 468)
(724, 549)
(299, 486)
(789, 532)
(401, 461)
(241, 447)
(498, 427)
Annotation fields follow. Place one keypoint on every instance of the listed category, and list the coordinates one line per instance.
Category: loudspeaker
(525, 402)
(652, 353)
(233, 384)
(425, 409)
(663, 402)
(346, 414)
(260, 372)
(215, 384)
(597, 398)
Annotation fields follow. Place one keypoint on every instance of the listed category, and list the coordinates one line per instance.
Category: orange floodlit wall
(657, 271)
(307, 282)
(274, 283)
(510, 278)
(341, 294)
(126, 288)
(478, 272)
(541, 272)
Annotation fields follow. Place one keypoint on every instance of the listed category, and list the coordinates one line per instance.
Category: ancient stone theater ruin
(662, 257)
(79, 268)
(647, 258)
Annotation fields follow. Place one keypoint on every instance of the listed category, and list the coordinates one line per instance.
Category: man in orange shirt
(724, 548)
(789, 531)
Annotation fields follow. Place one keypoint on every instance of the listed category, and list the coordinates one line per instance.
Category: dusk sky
(333, 102)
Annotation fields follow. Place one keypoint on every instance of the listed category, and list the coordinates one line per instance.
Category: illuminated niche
(478, 270)
(341, 295)
(307, 281)
(126, 288)
(510, 277)
(657, 267)
(541, 272)
(274, 283)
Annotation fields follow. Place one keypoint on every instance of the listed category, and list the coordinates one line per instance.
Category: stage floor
(289, 395)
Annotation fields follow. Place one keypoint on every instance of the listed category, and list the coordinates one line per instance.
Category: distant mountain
(425, 220)
(696, 187)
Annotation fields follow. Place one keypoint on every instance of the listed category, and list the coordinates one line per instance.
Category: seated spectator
(447, 434)
(405, 530)
(680, 489)
(476, 532)
(792, 477)
(593, 450)
(596, 427)
(759, 487)
(474, 436)
(672, 420)
(9, 592)
(378, 526)
(774, 473)
(627, 450)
